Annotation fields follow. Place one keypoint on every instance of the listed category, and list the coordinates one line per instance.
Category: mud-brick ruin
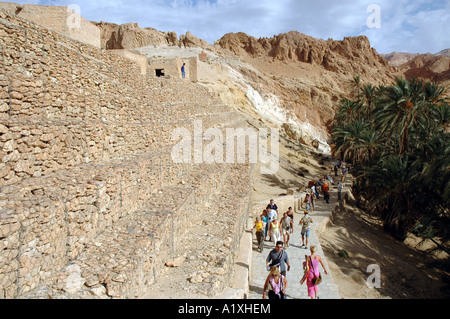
(91, 203)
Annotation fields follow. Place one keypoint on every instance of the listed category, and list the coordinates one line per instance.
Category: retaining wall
(90, 198)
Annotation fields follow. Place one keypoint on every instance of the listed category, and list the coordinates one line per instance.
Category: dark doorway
(159, 72)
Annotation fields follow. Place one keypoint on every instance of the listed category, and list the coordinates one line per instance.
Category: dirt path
(406, 269)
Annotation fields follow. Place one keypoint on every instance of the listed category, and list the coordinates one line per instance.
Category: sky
(413, 26)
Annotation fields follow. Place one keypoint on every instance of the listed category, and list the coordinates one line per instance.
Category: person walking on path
(312, 272)
(273, 206)
(290, 213)
(274, 231)
(259, 226)
(339, 187)
(319, 186)
(306, 222)
(272, 215)
(315, 190)
(265, 219)
(307, 202)
(326, 192)
(276, 283)
(278, 257)
(328, 177)
(286, 225)
(312, 198)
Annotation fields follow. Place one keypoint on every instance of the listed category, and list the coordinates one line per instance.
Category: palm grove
(397, 139)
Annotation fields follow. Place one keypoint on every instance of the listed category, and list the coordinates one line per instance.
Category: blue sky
(415, 26)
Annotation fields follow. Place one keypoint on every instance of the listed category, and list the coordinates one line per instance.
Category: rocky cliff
(433, 67)
(131, 36)
(297, 47)
(429, 67)
(398, 58)
(306, 77)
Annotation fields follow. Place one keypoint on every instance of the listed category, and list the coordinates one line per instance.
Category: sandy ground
(407, 270)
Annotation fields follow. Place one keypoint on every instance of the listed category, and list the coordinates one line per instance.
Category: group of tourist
(277, 283)
(279, 232)
(322, 187)
(268, 225)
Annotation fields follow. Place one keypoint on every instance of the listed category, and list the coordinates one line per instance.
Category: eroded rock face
(297, 47)
(308, 76)
(398, 58)
(428, 66)
(130, 36)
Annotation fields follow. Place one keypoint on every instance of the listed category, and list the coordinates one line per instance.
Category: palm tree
(356, 141)
(357, 83)
(435, 159)
(441, 116)
(348, 111)
(402, 108)
(398, 139)
(368, 92)
(434, 93)
(392, 188)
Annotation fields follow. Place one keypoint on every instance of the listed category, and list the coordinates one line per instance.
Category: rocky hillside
(445, 52)
(398, 58)
(428, 66)
(292, 80)
(306, 76)
(433, 67)
(297, 47)
(131, 36)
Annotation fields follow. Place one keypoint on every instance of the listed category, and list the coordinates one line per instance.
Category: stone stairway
(296, 254)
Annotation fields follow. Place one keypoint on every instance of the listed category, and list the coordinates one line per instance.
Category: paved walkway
(296, 254)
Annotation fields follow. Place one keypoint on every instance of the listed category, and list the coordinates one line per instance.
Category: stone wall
(138, 58)
(91, 200)
(172, 67)
(60, 19)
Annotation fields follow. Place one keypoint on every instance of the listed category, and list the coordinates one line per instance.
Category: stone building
(171, 67)
(198, 67)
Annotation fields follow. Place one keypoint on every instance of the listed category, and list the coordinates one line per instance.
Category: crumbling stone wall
(90, 199)
(60, 19)
(138, 58)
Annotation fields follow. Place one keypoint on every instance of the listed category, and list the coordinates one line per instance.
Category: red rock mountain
(429, 67)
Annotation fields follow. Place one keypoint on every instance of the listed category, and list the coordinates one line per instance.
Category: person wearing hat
(276, 283)
(306, 221)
